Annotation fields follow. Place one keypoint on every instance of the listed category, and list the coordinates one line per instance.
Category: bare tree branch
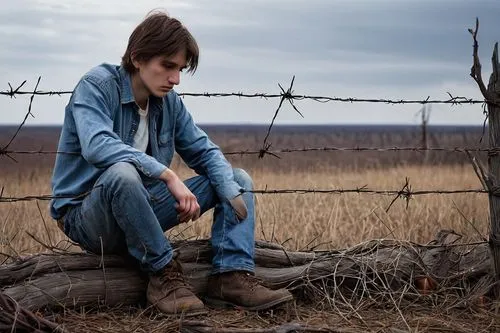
(475, 71)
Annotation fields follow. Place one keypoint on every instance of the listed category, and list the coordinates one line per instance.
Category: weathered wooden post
(491, 178)
(494, 166)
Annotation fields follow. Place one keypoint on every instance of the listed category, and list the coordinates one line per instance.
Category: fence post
(426, 113)
(494, 166)
(490, 178)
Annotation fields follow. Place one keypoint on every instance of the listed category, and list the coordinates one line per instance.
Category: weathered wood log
(77, 279)
(192, 326)
(494, 166)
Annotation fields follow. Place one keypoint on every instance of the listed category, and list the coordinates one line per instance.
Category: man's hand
(187, 205)
(239, 207)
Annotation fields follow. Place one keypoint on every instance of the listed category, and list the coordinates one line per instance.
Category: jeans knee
(243, 178)
(121, 174)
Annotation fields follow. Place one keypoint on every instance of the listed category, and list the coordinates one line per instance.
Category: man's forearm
(168, 175)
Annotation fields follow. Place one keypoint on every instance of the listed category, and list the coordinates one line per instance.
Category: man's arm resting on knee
(187, 204)
(201, 154)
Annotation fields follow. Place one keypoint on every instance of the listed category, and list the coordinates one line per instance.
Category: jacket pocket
(166, 148)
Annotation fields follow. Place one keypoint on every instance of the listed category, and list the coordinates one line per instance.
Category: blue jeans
(129, 213)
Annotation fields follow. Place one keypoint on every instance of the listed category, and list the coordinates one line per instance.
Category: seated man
(118, 195)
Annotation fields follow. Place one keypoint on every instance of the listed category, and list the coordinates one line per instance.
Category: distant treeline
(251, 137)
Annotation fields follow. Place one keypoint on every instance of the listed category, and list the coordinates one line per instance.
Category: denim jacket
(99, 125)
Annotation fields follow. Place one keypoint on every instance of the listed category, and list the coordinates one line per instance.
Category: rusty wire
(277, 151)
(453, 100)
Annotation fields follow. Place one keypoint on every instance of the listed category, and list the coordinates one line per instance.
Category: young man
(122, 125)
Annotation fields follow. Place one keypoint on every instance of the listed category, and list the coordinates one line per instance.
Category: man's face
(160, 74)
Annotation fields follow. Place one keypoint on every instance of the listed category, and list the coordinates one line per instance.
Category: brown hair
(160, 34)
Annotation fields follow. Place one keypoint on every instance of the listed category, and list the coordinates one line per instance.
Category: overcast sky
(395, 49)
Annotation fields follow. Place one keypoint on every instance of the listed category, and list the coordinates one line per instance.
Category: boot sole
(218, 303)
(192, 313)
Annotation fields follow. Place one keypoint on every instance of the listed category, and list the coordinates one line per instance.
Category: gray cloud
(394, 49)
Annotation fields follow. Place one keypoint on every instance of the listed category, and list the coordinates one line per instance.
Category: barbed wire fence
(288, 96)
(266, 149)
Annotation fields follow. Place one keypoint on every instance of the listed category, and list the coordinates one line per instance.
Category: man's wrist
(167, 175)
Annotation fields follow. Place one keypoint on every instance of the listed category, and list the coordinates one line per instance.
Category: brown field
(299, 221)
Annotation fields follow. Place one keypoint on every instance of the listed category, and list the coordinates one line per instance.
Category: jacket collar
(127, 94)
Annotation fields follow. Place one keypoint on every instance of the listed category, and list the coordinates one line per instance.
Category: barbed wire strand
(453, 100)
(46, 197)
(275, 152)
(406, 192)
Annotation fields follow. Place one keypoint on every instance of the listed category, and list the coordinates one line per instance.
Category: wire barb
(3, 149)
(285, 95)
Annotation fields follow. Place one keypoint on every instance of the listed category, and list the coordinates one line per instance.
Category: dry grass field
(298, 221)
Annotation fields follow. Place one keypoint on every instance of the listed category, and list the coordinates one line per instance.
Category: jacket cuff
(150, 167)
(229, 191)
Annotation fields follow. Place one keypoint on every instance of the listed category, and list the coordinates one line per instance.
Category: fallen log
(193, 326)
(374, 268)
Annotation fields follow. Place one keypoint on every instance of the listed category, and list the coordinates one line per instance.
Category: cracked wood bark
(82, 279)
(494, 166)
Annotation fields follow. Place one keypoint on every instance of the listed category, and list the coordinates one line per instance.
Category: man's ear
(135, 62)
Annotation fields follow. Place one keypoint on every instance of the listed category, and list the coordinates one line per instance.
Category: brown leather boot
(243, 290)
(171, 294)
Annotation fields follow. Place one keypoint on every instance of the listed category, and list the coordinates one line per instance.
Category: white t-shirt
(141, 137)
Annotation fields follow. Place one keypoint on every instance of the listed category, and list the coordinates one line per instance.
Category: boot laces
(172, 278)
(250, 281)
